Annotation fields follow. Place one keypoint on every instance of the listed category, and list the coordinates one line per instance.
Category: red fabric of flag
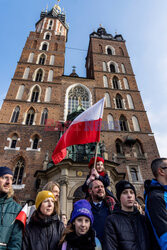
(84, 129)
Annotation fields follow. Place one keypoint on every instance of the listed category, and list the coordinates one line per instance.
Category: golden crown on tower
(57, 7)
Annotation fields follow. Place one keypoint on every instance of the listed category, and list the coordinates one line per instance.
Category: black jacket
(42, 234)
(126, 231)
(83, 242)
(156, 212)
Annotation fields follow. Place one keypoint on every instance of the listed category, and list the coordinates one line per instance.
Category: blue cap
(5, 170)
(82, 208)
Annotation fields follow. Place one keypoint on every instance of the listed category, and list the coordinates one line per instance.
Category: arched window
(44, 46)
(48, 94)
(138, 149)
(119, 147)
(35, 94)
(123, 123)
(39, 75)
(52, 60)
(134, 175)
(126, 84)
(30, 117)
(47, 37)
(18, 172)
(76, 94)
(50, 24)
(20, 92)
(14, 141)
(123, 68)
(26, 73)
(44, 116)
(42, 59)
(108, 102)
(121, 51)
(34, 46)
(35, 142)
(100, 48)
(105, 81)
(15, 114)
(110, 121)
(115, 82)
(119, 102)
(135, 123)
(130, 102)
(56, 46)
(50, 76)
(104, 66)
(112, 68)
(109, 51)
(30, 58)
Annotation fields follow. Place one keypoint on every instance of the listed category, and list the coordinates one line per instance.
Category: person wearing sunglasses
(156, 203)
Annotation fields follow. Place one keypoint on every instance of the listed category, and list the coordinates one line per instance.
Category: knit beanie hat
(41, 196)
(5, 170)
(92, 160)
(121, 186)
(82, 208)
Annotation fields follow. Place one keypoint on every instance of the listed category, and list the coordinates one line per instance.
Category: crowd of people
(100, 221)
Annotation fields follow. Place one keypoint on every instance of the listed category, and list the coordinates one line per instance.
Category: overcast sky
(141, 22)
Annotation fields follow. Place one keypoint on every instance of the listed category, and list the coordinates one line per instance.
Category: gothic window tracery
(30, 117)
(75, 94)
(35, 94)
(15, 114)
(44, 116)
(18, 172)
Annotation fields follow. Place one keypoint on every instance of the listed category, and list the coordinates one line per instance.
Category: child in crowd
(97, 173)
(79, 234)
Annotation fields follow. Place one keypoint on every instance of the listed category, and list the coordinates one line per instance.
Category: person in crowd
(102, 206)
(156, 203)
(54, 187)
(97, 173)
(137, 205)
(10, 229)
(44, 229)
(64, 219)
(126, 228)
(79, 234)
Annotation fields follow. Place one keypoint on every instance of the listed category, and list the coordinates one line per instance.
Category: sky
(141, 23)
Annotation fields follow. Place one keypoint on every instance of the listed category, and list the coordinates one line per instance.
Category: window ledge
(18, 187)
(15, 149)
(35, 150)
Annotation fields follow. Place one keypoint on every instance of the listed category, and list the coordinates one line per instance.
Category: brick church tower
(41, 99)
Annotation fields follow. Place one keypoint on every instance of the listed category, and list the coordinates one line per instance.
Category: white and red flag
(84, 129)
(23, 215)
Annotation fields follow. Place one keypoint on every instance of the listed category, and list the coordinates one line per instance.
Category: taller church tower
(41, 99)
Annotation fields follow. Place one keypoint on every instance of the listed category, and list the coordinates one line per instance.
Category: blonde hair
(49, 186)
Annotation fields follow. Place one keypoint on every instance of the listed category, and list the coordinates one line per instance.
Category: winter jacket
(10, 230)
(103, 178)
(100, 214)
(83, 242)
(156, 212)
(42, 234)
(126, 231)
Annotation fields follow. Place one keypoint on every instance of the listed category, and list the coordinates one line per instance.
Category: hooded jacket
(156, 212)
(10, 230)
(126, 231)
(42, 233)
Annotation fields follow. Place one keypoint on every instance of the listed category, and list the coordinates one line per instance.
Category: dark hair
(91, 183)
(157, 163)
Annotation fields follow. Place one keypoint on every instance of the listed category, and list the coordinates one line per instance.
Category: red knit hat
(92, 160)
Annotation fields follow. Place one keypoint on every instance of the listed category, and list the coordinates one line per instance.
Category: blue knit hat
(82, 208)
(5, 170)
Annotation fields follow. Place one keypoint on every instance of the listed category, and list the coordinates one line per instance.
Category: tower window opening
(44, 46)
(35, 94)
(123, 123)
(30, 117)
(119, 102)
(18, 172)
(15, 114)
(119, 147)
(14, 141)
(112, 68)
(42, 59)
(134, 175)
(109, 51)
(44, 117)
(39, 76)
(115, 83)
(47, 37)
(35, 143)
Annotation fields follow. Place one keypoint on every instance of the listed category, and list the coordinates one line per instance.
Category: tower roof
(101, 33)
(55, 12)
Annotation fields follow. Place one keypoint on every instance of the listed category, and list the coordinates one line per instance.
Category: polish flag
(84, 129)
(22, 216)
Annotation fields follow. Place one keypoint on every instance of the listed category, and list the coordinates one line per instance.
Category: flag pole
(97, 144)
